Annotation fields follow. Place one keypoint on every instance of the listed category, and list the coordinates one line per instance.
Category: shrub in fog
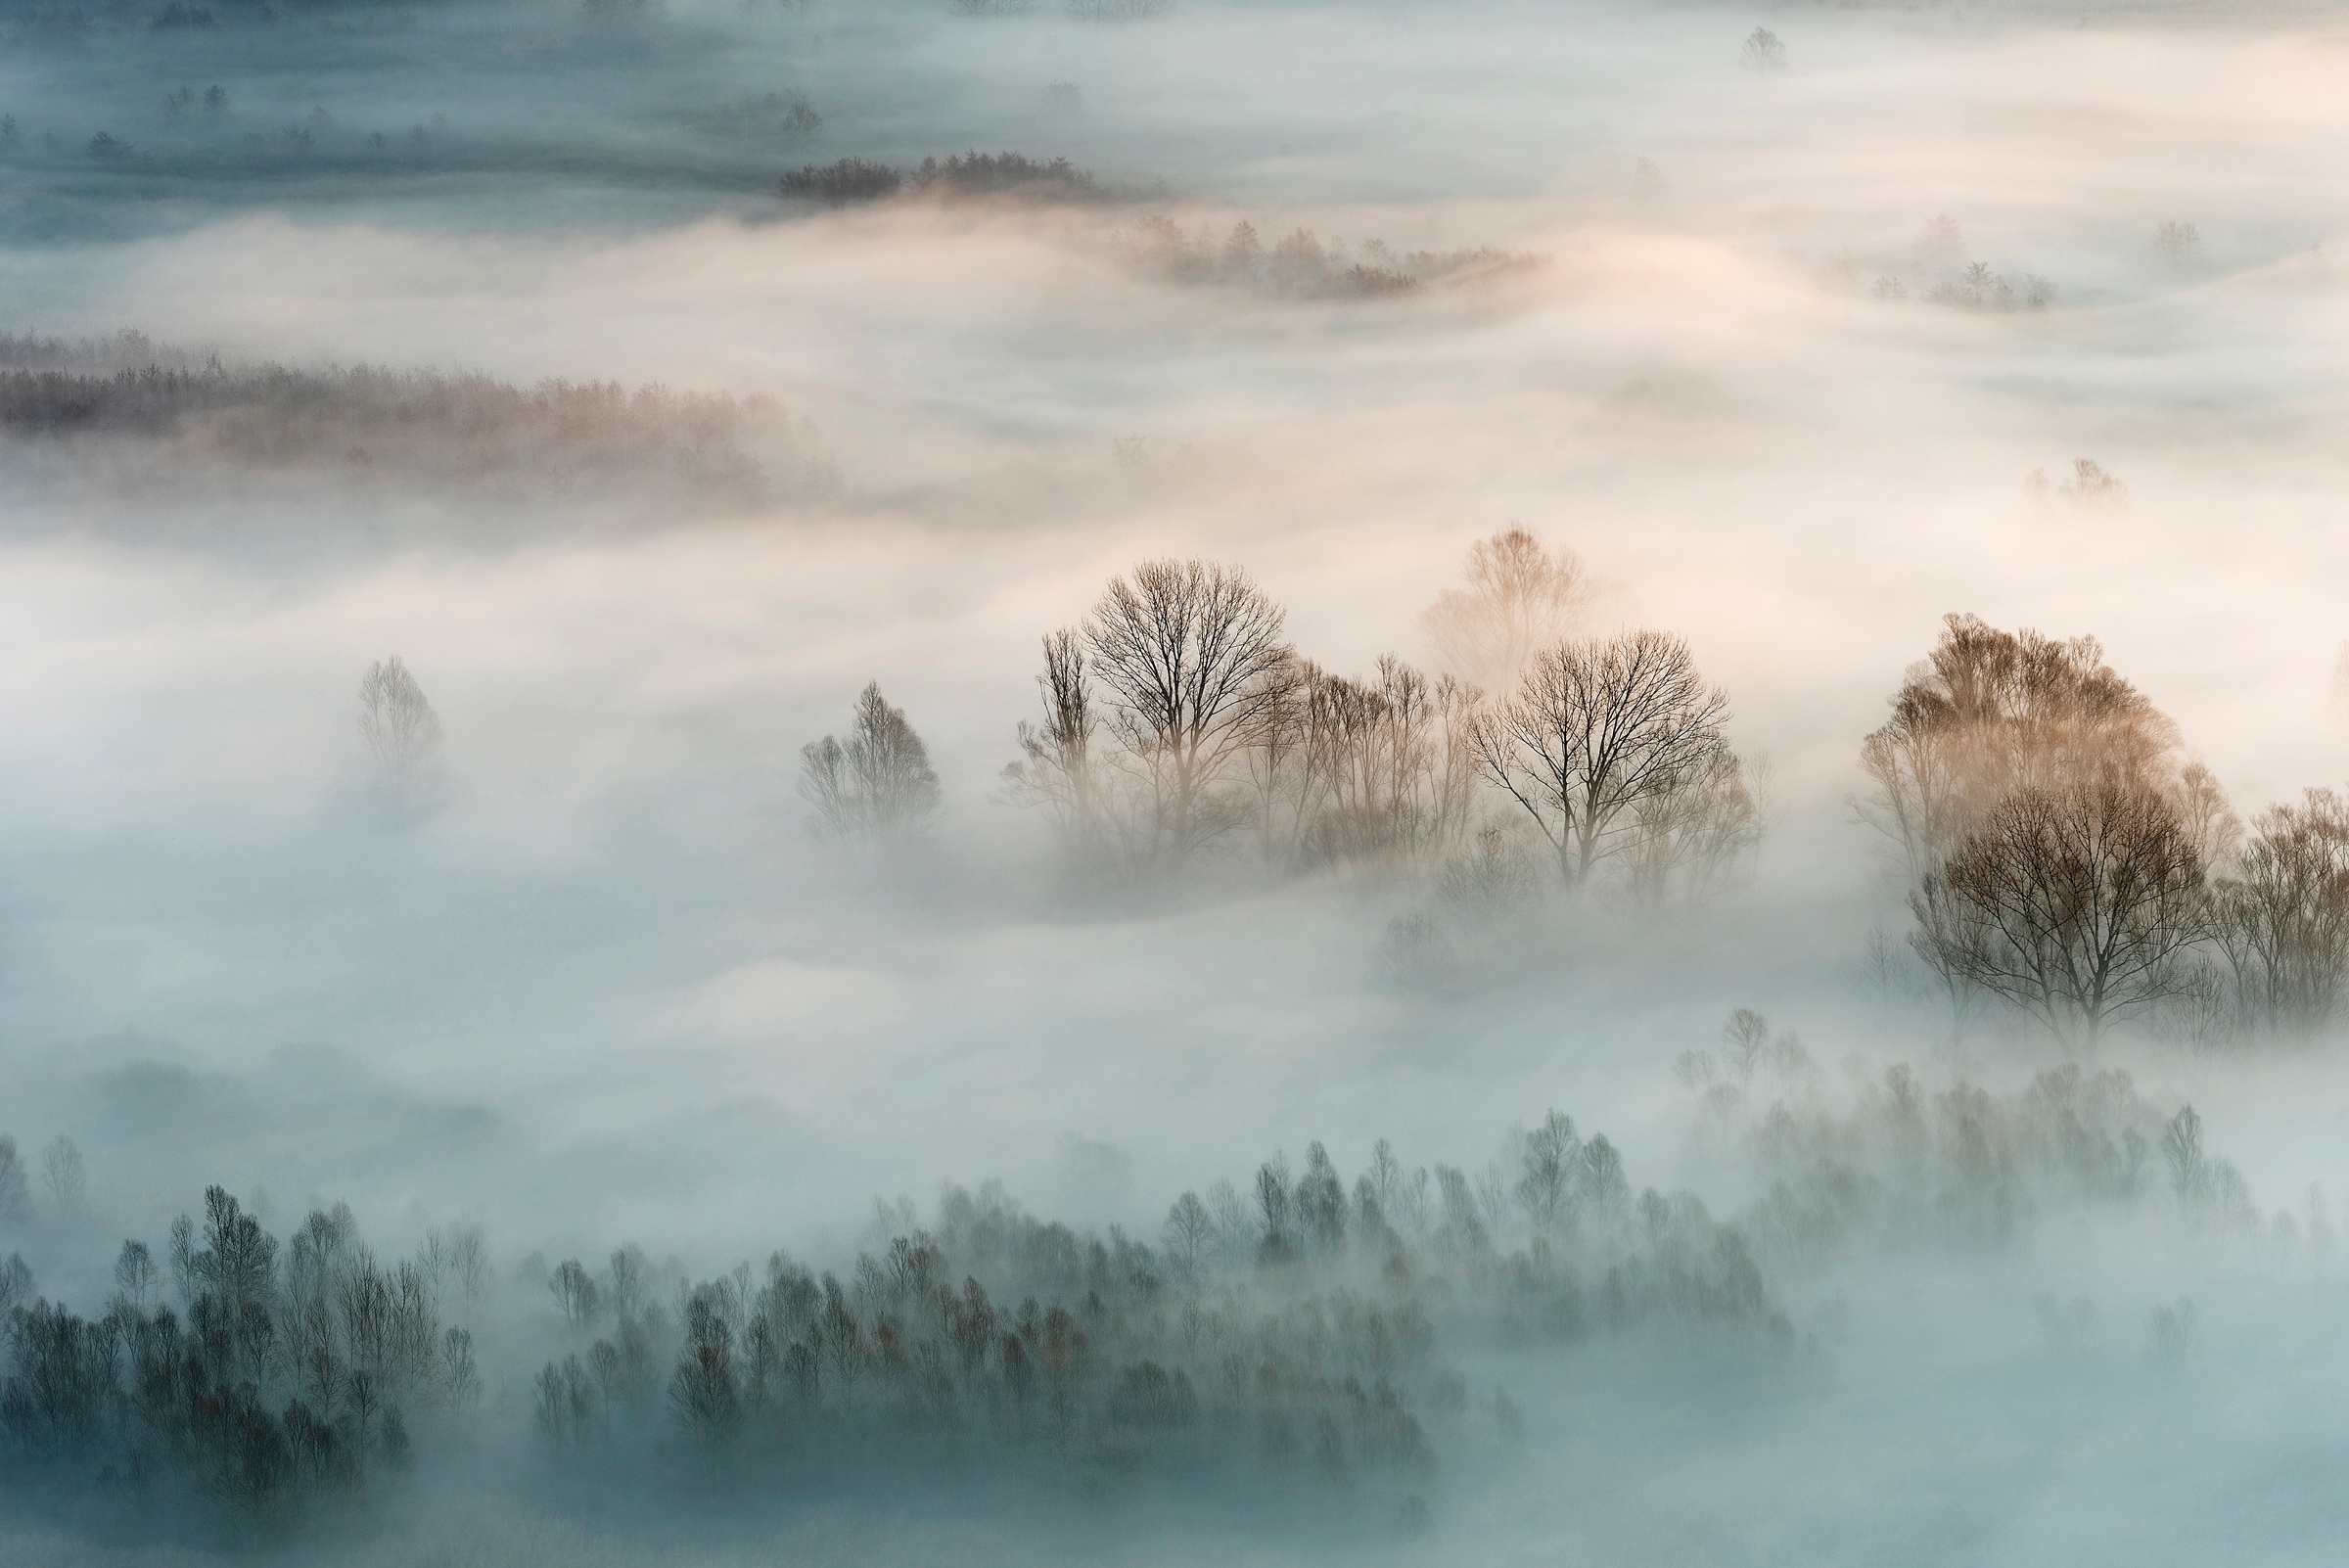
(1414, 956)
(876, 786)
(1489, 880)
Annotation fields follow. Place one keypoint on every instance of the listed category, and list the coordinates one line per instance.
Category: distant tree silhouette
(397, 719)
(877, 785)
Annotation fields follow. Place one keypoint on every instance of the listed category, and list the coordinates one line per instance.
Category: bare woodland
(2066, 857)
(1178, 725)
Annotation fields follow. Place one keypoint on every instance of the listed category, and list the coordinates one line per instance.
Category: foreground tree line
(2066, 857)
(1179, 725)
(1289, 1335)
(284, 1374)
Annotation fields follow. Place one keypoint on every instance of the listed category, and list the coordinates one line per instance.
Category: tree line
(284, 1374)
(1179, 727)
(1300, 264)
(1289, 1335)
(463, 428)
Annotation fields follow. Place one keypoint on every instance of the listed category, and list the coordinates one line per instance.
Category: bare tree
(135, 1274)
(574, 1291)
(2015, 756)
(1192, 659)
(1597, 733)
(1056, 772)
(2075, 903)
(1189, 1232)
(1486, 881)
(878, 785)
(15, 1205)
(1370, 772)
(1521, 597)
(402, 730)
(1694, 838)
(2281, 918)
(1992, 712)
(1764, 52)
(66, 1176)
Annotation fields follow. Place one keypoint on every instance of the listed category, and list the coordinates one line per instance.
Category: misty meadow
(1164, 781)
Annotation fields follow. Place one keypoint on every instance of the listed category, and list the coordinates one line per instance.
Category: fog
(455, 478)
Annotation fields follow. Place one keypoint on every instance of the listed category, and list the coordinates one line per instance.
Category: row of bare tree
(2066, 857)
(1179, 723)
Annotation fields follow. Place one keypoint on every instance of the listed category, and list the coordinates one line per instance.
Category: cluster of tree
(577, 437)
(1974, 287)
(284, 1374)
(1300, 267)
(852, 180)
(993, 1332)
(1941, 276)
(1289, 1332)
(1546, 1243)
(1902, 1165)
(65, 1181)
(2090, 488)
(2065, 857)
(1180, 725)
(1178, 721)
